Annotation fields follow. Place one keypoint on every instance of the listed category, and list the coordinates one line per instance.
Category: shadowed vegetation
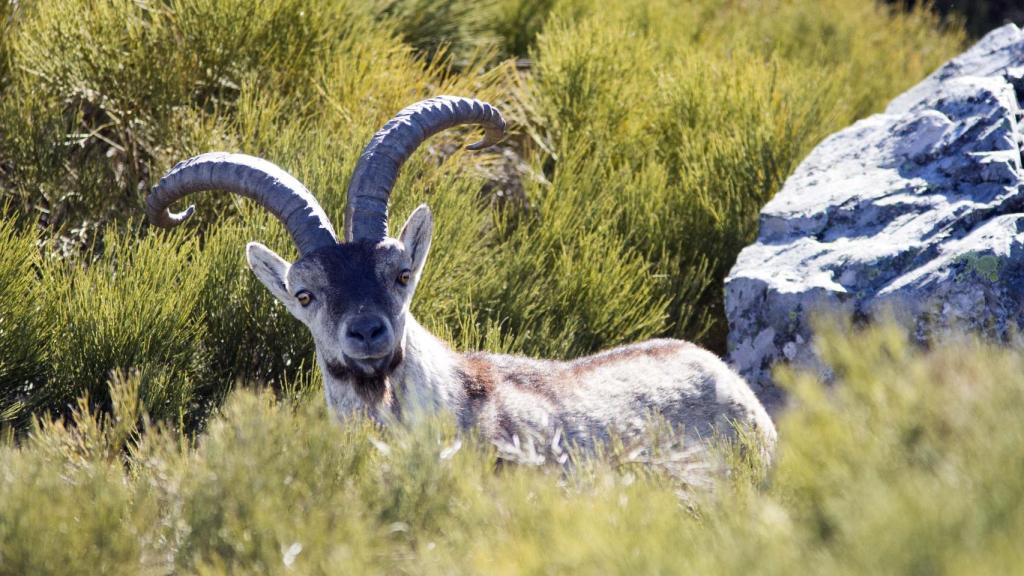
(978, 16)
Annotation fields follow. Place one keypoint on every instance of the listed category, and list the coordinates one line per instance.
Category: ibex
(375, 357)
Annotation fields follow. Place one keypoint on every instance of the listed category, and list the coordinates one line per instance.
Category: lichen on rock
(916, 211)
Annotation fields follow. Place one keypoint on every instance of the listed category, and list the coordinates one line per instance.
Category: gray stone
(913, 212)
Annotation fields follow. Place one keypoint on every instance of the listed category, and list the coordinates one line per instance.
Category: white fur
(691, 388)
(508, 397)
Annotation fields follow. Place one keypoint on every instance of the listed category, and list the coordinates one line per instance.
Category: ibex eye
(304, 297)
(404, 277)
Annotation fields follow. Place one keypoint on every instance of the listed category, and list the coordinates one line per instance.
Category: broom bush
(645, 138)
(909, 463)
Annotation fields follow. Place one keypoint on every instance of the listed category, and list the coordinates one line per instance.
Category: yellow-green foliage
(22, 325)
(910, 463)
(645, 138)
(160, 335)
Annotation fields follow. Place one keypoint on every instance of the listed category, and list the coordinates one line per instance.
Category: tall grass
(23, 323)
(911, 462)
(709, 105)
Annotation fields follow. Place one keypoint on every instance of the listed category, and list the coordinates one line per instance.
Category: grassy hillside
(181, 425)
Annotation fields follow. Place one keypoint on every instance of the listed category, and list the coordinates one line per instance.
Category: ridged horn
(366, 217)
(255, 178)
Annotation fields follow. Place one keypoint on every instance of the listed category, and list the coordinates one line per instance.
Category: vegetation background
(161, 413)
(979, 16)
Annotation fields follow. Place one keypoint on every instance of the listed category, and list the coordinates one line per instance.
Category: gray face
(353, 297)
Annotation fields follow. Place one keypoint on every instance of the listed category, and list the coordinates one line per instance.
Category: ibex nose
(368, 332)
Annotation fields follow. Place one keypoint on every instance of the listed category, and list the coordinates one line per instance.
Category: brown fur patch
(476, 375)
(649, 349)
(535, 381)
(529, 375)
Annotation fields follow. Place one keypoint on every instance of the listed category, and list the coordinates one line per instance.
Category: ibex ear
(271, 269)
(416, 235)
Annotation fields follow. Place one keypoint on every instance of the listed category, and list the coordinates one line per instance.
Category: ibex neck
(425, 379)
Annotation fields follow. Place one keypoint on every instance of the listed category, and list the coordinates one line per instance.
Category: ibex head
(353, 295)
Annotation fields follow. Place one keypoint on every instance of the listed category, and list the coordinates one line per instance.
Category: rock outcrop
(915, 212)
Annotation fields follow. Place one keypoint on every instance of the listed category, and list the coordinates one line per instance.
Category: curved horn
(255, 178)
(366, 217)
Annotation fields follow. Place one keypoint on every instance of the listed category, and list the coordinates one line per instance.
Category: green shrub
(7, 10)
(909, 462)
(922, 444)
(23, 322)
(108, 535)
(133, 309)
(646, 135)
(81, 512)
(462, 30)
(707, 105)
(85, 129)
(434, 27)
(645, 138)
